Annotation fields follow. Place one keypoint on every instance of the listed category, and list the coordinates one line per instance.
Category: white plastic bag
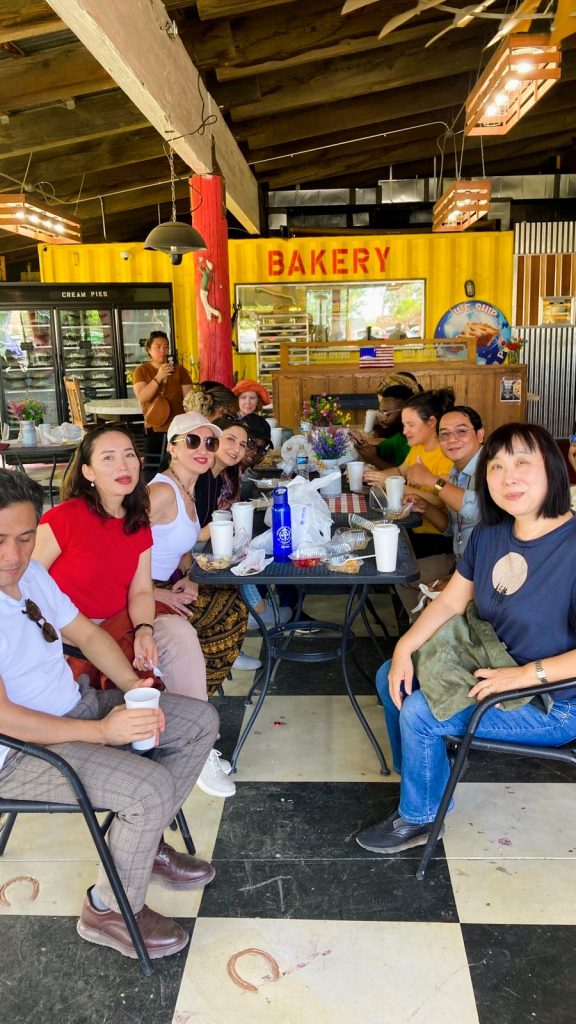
(311, 519)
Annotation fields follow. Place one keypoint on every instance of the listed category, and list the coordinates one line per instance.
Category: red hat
(252, 385)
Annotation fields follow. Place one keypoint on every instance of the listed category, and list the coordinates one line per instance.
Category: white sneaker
(213, 779)
(267, 616)
(244, 663)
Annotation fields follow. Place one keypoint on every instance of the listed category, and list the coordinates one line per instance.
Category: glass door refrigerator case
(95, 332)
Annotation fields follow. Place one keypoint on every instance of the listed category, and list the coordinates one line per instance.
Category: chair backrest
(75, 402)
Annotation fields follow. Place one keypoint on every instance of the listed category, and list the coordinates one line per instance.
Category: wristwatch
(440, 483)
(540, 672)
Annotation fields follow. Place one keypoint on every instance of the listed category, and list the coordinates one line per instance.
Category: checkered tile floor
(345, 937)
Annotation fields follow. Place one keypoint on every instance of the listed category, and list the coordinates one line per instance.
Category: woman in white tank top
(192, 444)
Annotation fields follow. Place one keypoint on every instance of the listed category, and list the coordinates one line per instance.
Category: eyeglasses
(258, 446)
(459, 433)
(33, 612)
(194, 441)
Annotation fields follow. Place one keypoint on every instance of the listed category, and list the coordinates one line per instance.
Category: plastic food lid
(310, 551)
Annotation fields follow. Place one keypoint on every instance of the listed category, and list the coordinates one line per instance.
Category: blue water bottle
(281, 525)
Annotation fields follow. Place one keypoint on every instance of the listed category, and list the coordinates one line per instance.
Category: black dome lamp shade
(175, 239)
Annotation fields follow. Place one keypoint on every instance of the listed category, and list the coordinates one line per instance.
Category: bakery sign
(323, 261)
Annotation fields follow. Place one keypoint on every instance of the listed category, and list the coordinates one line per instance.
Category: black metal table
(20, 455)
(277, 639)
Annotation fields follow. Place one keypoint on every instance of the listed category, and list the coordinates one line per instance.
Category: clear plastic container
(357, 540)
(308, 557)
(212, 563)
(344, 563)
(335, 547)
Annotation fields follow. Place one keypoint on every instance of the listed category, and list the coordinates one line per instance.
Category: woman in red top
(97, 547)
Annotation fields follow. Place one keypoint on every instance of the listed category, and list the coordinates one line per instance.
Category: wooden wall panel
(537, 275)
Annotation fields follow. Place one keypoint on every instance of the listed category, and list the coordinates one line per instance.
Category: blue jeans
(419, 751)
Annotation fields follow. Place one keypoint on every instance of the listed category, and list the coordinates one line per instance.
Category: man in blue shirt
(450, 502)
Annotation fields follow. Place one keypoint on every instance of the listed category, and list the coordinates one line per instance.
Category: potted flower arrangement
(329, 445)
(30, 413)
(324, 411)
(29, 409)
(513, 349)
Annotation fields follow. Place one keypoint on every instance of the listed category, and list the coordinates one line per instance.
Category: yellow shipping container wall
(444, 261)
(94, 263)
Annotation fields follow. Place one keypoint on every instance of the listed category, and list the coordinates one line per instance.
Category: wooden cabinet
(491, 390)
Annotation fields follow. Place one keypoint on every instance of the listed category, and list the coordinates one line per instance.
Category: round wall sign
(481, 320)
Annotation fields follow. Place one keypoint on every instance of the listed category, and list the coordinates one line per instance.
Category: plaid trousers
(144, 793)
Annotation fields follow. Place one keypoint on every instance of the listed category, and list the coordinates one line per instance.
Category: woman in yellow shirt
(420, 418)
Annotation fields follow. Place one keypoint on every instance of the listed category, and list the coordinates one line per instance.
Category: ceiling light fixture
(521, 72)
(174, 237)
(24, 216)
(462, 205)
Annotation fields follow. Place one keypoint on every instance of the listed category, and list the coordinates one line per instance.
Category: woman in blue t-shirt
(517, 568)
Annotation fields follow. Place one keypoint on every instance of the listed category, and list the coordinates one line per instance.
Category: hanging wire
(170, 156)
(482, 156)
(103, 217)
(26, 173)
(79, 193)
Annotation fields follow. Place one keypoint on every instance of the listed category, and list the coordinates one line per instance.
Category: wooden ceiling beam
(82, 158)
(50, 75)
(21, 19)
(358, 113)
(557, 106)
(368, 156)
(330, 81)
(287, 38)
(229, 8)
(152, 67)
(93, 117)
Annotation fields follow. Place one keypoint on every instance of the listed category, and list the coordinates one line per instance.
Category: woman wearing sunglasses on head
(217, 613)
(97, 546)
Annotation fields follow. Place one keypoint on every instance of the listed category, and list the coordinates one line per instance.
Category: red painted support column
(212, 279)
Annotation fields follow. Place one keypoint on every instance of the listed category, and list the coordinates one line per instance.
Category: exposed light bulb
(20, 214)
(512, 85)
(525, 67)
(492, 110)
(34, 218)
(59, 228)
(501, 100)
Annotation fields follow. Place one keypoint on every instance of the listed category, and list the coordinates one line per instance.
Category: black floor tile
(325, 679)
(289, 850)
(371, 889)
(231, 711)
(49, 974)
(522, 974)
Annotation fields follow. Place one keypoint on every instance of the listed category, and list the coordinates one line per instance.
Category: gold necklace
(183, 490)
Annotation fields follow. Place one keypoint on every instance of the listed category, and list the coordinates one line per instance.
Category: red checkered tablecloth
(347, 503)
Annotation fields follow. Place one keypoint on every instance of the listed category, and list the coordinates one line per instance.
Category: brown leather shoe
(179, 870)
(162, 936)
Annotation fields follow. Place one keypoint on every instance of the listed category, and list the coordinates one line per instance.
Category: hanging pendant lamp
(173, 237)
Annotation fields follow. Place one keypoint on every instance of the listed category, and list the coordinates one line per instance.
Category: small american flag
(381, 356)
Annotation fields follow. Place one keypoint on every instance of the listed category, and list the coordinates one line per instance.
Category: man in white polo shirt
(41, 703)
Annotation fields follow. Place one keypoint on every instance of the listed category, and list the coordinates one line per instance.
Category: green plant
(29, 409)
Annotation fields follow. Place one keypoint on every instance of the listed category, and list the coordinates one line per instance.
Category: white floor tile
(508, 891)
(319, 740)
(501, 821)
(330, 972)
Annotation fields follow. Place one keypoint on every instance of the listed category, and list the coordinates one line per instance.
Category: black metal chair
(11, 807)
(469, 741)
